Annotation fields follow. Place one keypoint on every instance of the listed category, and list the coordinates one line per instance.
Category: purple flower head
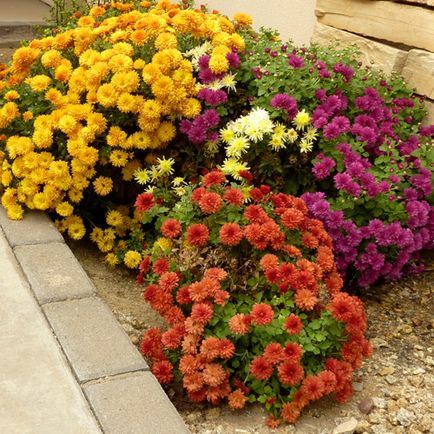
(234, 60)
(344, 70)
(342, 181)
(204, 61)
(355, 169)
(285, 102)
(211, 118)
(213, 97)
(323, 167)
(295, 61)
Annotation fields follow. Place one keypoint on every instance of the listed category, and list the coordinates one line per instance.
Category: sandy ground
(393, 390)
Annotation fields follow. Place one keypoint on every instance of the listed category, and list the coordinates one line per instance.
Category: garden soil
(394, 390)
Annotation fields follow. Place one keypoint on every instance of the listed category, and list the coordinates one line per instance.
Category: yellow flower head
(114, 218)
(38, 83)
(302, 119)
(103, 185)
(132, 259)
(218, 63)
(243, 19)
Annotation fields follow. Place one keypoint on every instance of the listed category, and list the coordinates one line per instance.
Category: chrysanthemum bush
(349, 134)
(83, 109)
(252, 300)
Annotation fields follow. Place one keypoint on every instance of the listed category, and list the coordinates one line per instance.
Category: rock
(366, 405)
(379, 343)
(415, 380)
(389, 59)
(213, 413)
(379, 402)
(404, 417)
(391, 379)
(363, 426)
(358, 387)
(380, 20)
(418, 72)
(347, 427)
(386, 371)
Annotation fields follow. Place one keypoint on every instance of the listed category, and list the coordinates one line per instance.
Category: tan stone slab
(418, 2)
(93, 341)
(381, 56)
(35, 228)
(38, 392)
(418, 71)
(132, 404)
(394, 22)
(53, 272)
(429, 119)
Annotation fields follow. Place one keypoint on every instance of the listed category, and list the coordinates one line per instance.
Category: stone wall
(394, 36)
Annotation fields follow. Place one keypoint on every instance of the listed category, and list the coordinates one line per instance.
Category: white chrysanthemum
(277, 143)
(302, 119)
(292, 135)
(227, 134)
(237, 146)
(150, 189)
(142, 176)
(178, 181)
(229, 166)
(165, 166)
(311, 134)
(229, 82)
(155, 173)
(305, 146)
(180, 191)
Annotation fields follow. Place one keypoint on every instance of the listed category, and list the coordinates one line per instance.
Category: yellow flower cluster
(80, 110)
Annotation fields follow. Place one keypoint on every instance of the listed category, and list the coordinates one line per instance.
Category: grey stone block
(92, 339)
(35, 228)
(53, 272)
(134, 403)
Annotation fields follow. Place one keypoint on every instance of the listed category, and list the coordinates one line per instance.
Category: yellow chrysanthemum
(166, 40)
(76, 230)
(11, 95)
(114, 218)
(103, 185)
(38, 83)
(132, 259)
(118, 158)
(243, 19)
(116, 136)
(64, 209)
(166, 132)
(107, 95)
(111, 259)
(51, 59)
(120, 62)
(126, 81)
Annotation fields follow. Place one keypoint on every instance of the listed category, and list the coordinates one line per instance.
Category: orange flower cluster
(221, 320)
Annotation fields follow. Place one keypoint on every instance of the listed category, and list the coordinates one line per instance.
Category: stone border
(121, 391)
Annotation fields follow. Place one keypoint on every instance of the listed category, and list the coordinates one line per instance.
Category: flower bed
(109, 124)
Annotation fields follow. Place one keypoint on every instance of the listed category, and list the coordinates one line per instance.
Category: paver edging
(36, 229)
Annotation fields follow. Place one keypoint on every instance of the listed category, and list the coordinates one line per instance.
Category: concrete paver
(92, 339)
(36, 228)
(18, 11)
(53, 272)
(38, 392)
(134, 403)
